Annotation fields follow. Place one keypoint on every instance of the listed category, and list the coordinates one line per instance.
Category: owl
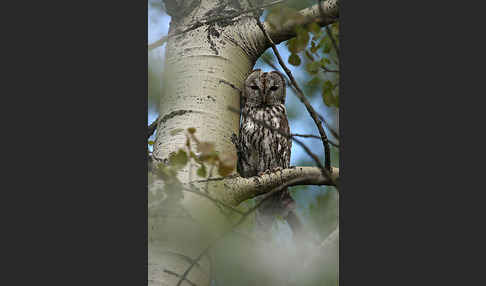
(261, 149)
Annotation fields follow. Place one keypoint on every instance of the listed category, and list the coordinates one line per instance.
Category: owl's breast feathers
(263, 148)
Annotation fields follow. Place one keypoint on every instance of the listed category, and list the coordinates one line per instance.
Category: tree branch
(213, 199)
(303, 99)
(238, 189)
(330, 13)
(152, 127)
(325, 171)
(315, 137)
(177, 275)
(242, 219)
(198, 24)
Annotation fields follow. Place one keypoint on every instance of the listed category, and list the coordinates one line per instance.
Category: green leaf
(325, 61)
(313, 48)
(327, 96)
(280, 14)
(312, 67)
(315, 81)
(179, 159)
(302, 38)
(165, 173)
(293, 45)
(327, 49)
(201, 171)
(294, 60)
(321, 43)
(314, 28)
(328, 85)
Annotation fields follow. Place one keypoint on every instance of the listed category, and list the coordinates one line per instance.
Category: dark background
(74, 196)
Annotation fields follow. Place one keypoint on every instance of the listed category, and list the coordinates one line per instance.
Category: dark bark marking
(174, 114)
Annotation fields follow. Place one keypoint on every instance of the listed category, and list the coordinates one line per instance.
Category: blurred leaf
(327, 93)
(179, 159)
(313, 48)
(315, 29)
(165, 173)
(278, 15)
(227, 163)
(229, 158)
(299, 43)
(312, 67)
(191, 130)
(224, 170)
(205, 147)
(315, 81)
(294, 60)
(327, 97)
(208, 153)
(201, 171)
(327, 44)
(196, 158)
(325, 61)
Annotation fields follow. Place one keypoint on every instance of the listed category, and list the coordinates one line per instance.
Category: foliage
(238, 258)
(205, 155)
(312, 49)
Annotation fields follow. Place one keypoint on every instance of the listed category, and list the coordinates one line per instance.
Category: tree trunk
(204, 69)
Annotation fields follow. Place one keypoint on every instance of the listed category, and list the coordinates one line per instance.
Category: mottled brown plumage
(261, 149)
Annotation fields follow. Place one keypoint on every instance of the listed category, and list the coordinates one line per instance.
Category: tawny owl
(260, 148)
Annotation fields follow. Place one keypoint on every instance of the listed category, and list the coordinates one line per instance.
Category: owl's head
(253, 91)
(274, 84)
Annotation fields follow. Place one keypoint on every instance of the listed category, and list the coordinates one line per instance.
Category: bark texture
(205, 69)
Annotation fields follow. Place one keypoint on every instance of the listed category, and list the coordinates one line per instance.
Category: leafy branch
(303, 99)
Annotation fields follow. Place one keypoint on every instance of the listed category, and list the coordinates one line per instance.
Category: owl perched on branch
(263, 149)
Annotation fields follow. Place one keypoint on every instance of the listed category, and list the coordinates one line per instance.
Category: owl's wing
(286, 142)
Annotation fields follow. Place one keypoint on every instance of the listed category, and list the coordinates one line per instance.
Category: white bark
(204, 68)
(235, 190)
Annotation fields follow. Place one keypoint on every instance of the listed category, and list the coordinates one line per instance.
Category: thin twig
(160, 42)
(333, 132)
(177, 275)
(323, 67)
(242, 219)
(180, 255)
(328, 70)
(303, 99)
(157, 43)
(333, 41)
(314, 136)
(152, 127)
(214, 200)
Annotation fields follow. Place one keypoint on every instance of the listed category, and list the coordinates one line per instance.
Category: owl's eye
(254, 87)
(274, 88)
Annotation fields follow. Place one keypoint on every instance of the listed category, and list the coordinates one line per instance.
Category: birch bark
(205, 67)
